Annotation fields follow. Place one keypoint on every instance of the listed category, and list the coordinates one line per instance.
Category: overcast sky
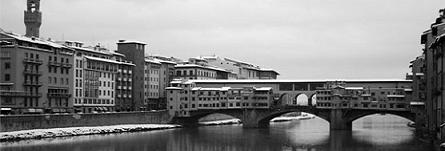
(301, 39)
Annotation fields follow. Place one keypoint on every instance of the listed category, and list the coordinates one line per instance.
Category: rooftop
(130, 42)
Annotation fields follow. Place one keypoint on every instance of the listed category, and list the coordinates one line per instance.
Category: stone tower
(33, 18)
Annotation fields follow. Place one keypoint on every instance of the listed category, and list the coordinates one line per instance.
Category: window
(7, 65)
(7, 77)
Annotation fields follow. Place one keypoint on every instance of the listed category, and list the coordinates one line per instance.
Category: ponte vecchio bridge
(256, 102)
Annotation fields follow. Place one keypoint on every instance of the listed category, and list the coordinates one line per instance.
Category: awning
(6, 109)
(105, 108)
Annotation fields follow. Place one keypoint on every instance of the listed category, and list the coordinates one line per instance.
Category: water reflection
(370, 133)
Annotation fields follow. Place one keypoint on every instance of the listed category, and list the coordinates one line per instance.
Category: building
(36, 75)
(237, 69)
(134, 52)
(184, 97)
(124, 84)
(336, 94)
(199, 72)
(94, 78)
(33, 18)
(434, 42)
(166, 75)
(151, 84)
(418, 92)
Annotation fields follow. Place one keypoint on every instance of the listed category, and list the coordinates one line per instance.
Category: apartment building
(94, 78)
(36, 75)
(124, 84)
(152, 83)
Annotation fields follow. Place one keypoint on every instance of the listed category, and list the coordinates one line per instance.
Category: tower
(33, 18)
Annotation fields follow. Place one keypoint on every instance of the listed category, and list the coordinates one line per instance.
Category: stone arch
(351, 117)
(313, 99)
(300, 99)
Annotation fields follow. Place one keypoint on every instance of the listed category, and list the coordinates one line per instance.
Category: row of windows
(93, 101)
(152, 86)
(50, 58)
(62, 81)
(191, 73)
(53, 69)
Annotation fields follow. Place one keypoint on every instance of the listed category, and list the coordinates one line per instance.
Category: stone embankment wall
(26, 122)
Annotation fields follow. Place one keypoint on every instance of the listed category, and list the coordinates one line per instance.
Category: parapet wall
(25, 122)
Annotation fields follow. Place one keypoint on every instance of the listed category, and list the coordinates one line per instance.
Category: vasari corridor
(209, 75)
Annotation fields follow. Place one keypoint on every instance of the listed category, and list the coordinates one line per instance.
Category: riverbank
(76, 131)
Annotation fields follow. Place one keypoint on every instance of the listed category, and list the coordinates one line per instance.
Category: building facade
(124, 84)
(152, 84)
(237, 69)
(134, 52)
(434, 42)
(36, 75)
(93, 78)
(184, 97)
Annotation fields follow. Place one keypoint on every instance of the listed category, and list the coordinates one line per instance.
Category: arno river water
(376, 132)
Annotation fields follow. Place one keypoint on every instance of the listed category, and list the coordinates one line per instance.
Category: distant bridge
(384, 97)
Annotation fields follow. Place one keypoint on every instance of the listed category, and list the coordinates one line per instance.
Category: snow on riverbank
(221, 122)
(290, 118)
(75, 131)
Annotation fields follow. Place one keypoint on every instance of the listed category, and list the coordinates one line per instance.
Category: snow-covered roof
(91, 50)
(416, 103)
(152, 61)
(35, 40)
(164, 61)
(198, 66)
(395, 96)
(263, 89)
(270, 70)
(298, 81)
(237, 61)
(102, 59)
(173, 88)
(130, 42)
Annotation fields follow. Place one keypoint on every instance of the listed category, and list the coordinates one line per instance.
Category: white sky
(301, 39)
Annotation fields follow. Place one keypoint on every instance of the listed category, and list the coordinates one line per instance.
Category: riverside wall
(43, 121)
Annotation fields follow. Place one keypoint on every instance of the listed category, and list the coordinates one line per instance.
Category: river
(376, 132)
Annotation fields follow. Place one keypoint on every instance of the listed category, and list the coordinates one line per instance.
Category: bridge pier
(338, 122)
(251, 118)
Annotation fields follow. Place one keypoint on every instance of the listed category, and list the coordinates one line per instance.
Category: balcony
(66, 65)
(32, 83)
(119, 87)
(129, 96)
(119, 95)
(32, 60)
(129, 80)
(53, 63)
(32, 72)
(125, 71)
(28, 94)
(130, 72)
(12, 93)
(59, 95)
(119, 79)
(124, 87)
(125, 95)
